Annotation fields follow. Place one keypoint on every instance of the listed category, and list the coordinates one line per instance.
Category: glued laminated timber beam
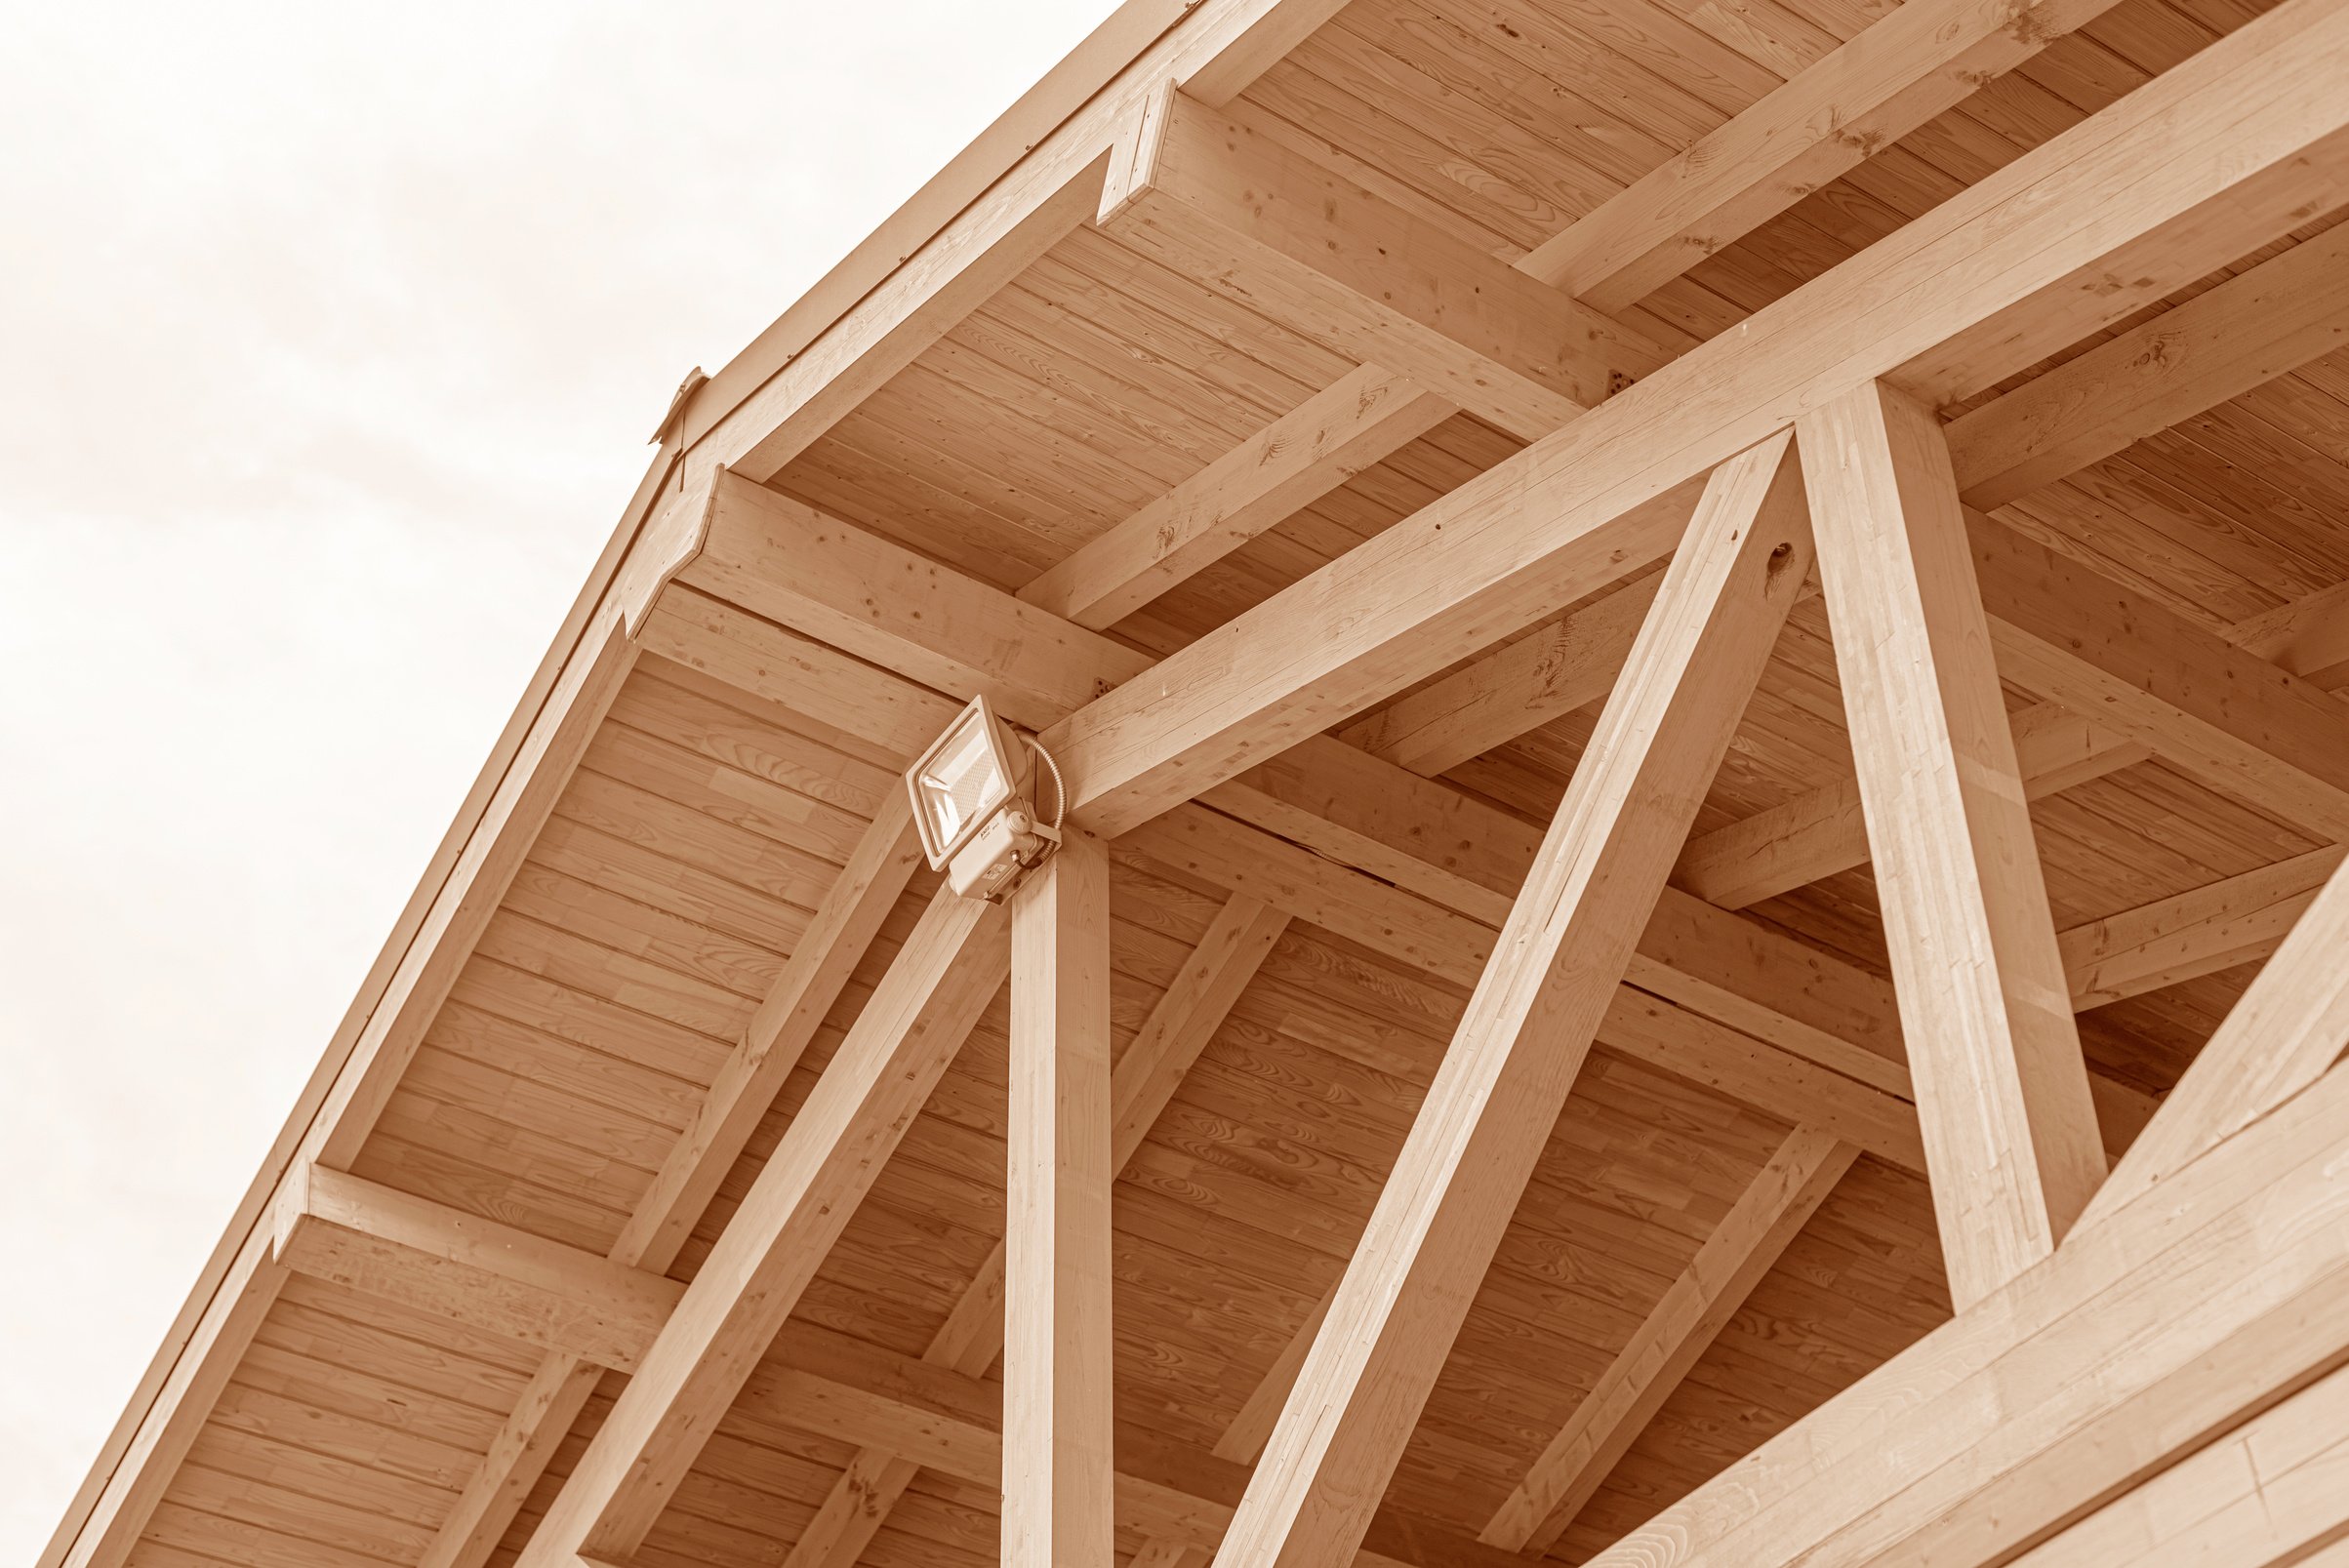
(2227, 151)
(1531, 1022)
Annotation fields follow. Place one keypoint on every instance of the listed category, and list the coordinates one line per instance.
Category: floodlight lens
(962, 781)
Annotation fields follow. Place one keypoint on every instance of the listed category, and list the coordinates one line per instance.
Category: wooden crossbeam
(2148, 674)
(1693, 1310)
(808, 1379)
(2010, 1133)
(1354, 423)
(1806, 1038)
(369, 1237)
(2268, 321)
(2255, 121)
(1059, 1359)
(899, 1047)
(2199, 932)
(2281, 1035)
(1193, 1007)
(1490, 1110)
(801, 570)
(1801, 136)
(1382, 286)
(1820, 833)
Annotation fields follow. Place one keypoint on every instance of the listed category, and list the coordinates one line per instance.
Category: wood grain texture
(2001, 1088)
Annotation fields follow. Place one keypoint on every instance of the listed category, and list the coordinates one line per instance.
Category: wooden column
(1523, 1040)
(1058, 1469)
(2002, 1093)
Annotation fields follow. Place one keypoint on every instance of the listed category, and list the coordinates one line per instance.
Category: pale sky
(329, 338)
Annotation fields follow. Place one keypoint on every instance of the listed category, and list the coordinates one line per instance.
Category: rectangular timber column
(2010, 1137)
(1058, 1471)
(1519, 1045)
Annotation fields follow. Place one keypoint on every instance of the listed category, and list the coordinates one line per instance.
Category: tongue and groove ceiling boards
(1694, 647)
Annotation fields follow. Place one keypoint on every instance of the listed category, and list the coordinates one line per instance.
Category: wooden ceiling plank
(1693, 1310)
(1059, 1356)
(2281, 1035)
(793, 1009)
(1218, 202)
(2255, 122)
(893, 1054)
(1801, 137)
(1187, 1013)
(2010, 1133)
(1474, 1142)
(1356, 422)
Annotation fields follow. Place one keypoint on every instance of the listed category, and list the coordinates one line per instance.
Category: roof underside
(680, 865)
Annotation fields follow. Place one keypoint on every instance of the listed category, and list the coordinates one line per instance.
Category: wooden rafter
(2199, 932)
(2010, 1132)
(1356, 420)
(1571, 930)
(1694, 1308)
(1892, 77)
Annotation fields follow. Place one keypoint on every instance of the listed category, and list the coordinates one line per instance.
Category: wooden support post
(1531, 1021)
(1190, 1012)
(2001, 1091)
(1058, 1469)
(1696, 1307)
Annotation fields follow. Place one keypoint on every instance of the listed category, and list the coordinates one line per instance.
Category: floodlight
(974, 801)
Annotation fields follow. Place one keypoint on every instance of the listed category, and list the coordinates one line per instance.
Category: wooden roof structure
(1693, 645)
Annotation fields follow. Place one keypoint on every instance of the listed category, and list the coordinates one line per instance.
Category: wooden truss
(2149, 1350)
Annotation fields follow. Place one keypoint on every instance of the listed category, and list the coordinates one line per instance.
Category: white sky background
(330, 338)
